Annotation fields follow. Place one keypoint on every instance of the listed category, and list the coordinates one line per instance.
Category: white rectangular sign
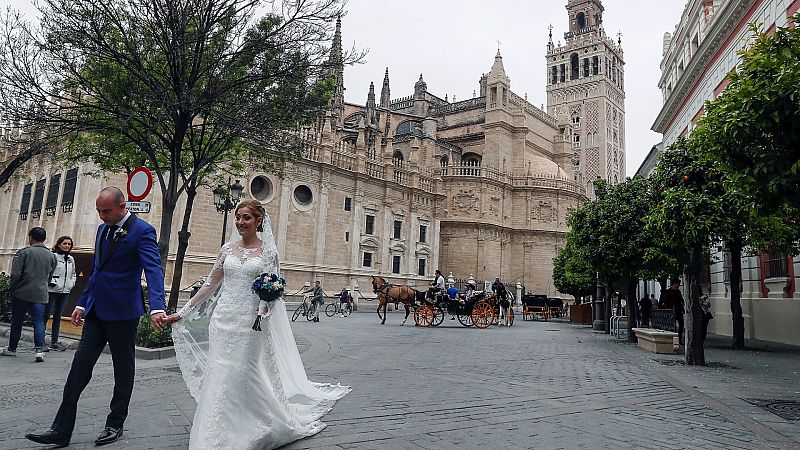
(138, 207)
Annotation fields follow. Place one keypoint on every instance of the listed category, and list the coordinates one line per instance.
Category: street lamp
(225, 199)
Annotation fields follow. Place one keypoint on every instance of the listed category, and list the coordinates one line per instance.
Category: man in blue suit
(109, 312)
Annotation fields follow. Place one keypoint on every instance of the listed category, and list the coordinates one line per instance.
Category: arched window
(580, 20)
(406, 127)
(397, 158)
(471, 159)
(575, 66)
(444, 161)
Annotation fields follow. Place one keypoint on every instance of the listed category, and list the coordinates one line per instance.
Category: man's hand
(157, 320)
(77, 317)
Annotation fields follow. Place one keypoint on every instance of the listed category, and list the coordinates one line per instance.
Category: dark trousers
(121, 337)
(55, 306)
(704, 326)
(679, 318)
(18, 310)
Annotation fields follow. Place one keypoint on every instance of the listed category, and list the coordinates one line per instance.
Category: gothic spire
(336, 70)
(336, 57)
(385, 96)
(370, 112)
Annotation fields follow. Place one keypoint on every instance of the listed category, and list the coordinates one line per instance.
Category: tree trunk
(693, 317)
(633, 307)
(183, 244)
(608, 305)
(735, 248)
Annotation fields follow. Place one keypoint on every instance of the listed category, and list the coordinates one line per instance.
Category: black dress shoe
(49, 437)
(109, 435)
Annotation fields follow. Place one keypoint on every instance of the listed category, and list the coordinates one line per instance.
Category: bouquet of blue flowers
(269, 288)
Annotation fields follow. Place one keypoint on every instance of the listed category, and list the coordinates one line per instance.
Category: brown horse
(389, 293)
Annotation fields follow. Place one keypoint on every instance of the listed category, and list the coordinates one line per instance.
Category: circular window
(303, 195)
(261, 188)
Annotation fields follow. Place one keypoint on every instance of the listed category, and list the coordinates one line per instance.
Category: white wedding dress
(251, 387)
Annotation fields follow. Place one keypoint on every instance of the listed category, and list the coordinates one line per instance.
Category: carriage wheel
(482, 314)
(465, 320)
(510, 316)
(438, 316)
(423, 316)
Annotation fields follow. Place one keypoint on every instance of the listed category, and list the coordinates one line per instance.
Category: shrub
(147, 335)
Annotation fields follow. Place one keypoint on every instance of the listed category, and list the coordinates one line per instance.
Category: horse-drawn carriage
(481, 310)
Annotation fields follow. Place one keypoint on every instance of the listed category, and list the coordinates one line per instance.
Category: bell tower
(586, 88)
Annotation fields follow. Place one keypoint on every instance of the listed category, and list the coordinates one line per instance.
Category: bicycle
(306, 309)
(335, 308)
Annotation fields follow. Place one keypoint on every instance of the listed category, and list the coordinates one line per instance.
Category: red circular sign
(139, 183)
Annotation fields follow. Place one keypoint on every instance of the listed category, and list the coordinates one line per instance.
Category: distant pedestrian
(705, 305)
(653, 301)
(60, 285)
(673, 299)
(31, 270)
(645, 309)
(344, 300)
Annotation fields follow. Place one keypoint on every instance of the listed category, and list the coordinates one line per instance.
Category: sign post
(140, 181)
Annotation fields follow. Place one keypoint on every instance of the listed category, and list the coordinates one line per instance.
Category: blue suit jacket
(114, 289)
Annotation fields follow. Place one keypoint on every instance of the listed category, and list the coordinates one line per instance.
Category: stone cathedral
(401, 186)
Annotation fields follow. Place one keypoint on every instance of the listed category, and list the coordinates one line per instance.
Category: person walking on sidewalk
(31, 269)
(673, 299)
(60, 285)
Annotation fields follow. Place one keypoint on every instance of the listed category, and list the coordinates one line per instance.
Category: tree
(194, 89)
(757, 119)
(690, 209)
(571, 273)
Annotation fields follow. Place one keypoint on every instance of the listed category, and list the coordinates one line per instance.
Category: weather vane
(498, 45)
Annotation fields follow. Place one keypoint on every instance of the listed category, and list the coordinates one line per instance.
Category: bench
(656, 341)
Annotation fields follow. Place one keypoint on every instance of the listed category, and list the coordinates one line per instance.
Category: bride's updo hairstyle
(257, 209)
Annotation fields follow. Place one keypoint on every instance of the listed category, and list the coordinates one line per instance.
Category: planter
(67, 327)
(154, 353)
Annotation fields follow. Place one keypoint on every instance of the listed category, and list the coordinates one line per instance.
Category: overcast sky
(452, 42)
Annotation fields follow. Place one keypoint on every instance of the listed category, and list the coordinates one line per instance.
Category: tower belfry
(586, 88)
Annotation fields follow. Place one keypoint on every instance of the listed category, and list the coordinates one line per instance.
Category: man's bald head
(110, 205)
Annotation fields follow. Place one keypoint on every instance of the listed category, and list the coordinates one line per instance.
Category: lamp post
(599, 323)
(225, 199)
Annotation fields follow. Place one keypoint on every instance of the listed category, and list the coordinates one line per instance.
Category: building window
(776, 265)
(347, 236)
(261, 188)
(726, 267)
(576, 140)
(595, 65)
(52, 195)
(367, 262)
(423, 233)
(555, 75)
(421, 270)
(576, 122)
(26, 201)
(585, 67)
(38, 197)
(348, 203)
(398, 227)
(396, 264)
(68, 197)
(369, 226)
(575, 70)
(563, 76)
(303, 195)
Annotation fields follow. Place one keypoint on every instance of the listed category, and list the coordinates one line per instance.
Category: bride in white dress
(251, 387)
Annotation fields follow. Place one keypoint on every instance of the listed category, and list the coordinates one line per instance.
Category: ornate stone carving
(466, 200)
(544, 211)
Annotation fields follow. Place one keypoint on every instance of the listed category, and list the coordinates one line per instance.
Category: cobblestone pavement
(535, 385)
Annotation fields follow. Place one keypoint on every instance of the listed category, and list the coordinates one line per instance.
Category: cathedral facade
(399, 187)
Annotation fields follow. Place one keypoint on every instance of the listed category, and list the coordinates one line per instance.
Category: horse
(505, 304)
(392, 293)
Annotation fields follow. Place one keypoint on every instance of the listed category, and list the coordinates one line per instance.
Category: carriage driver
(437, 285)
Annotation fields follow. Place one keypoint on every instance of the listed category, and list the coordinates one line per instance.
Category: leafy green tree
(757, 119)
(571, 273)
(192, 89)
(691, 208)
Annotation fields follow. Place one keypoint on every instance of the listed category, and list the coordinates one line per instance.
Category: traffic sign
(138, 207)
(139, 183)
